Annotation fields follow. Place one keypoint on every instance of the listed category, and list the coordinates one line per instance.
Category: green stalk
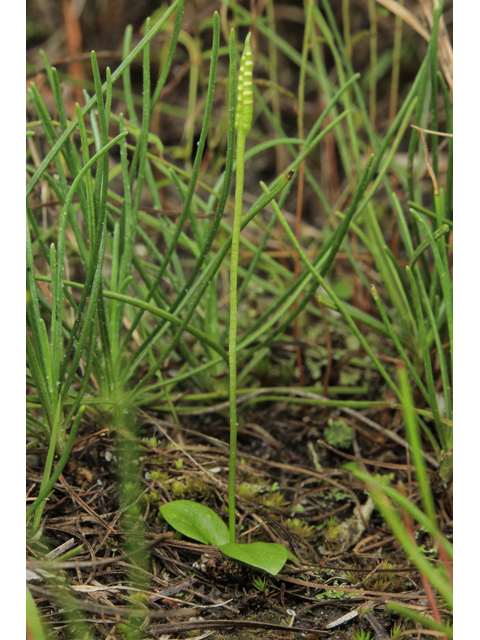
(232, 342)
(243, 120)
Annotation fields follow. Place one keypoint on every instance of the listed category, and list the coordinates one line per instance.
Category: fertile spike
(243, 115)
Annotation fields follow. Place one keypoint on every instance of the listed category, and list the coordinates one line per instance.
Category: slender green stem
(232, 342)
(243, 119)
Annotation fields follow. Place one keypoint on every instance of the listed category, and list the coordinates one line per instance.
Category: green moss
(262, 494)
(331, 532)
(338, 434)
(191, 489)
(259, 583)
(386, 582)
(301, 529)
(247, 492)
(178, 489)
(275, 500)
(161, 476)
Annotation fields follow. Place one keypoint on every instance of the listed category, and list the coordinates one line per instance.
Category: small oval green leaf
(196, 521)
(264, 555)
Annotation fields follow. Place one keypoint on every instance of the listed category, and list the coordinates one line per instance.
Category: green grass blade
(413, 437)
(425, 349)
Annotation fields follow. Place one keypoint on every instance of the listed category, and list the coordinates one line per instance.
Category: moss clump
(260, 494)
(178, 489)
(330, 534)
(191, 489)
(386, 582)
(150, 496)
(248, 492)
(301, 529)
(160, 476)
(274, 500)
(338, 434)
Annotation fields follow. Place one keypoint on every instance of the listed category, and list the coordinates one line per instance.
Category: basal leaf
(264, 555)
(196, 521)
